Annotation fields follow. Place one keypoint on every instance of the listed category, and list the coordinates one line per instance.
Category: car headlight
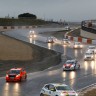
(62, 94)
(81, 45)
(72, 65)
(18, 75)
(35, 35)
(7, 75)
(76, 94)
(75, 45)
(91, 56)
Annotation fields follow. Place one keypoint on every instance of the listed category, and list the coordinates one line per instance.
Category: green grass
(21, 22)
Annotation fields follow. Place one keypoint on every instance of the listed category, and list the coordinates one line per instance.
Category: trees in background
(27, 16)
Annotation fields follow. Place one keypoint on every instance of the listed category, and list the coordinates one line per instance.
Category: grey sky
(69, 10)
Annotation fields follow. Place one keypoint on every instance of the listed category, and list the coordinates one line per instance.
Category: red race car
(16, 74)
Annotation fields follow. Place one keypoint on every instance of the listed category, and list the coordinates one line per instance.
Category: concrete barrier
(84, 40)
(75, 39)
(5, 28)
(87, 34)
(94, 42)
(81, 39)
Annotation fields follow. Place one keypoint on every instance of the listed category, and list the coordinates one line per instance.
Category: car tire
(41, 94)
(6, 81)
(84, 60)
(25, 77)
(20, 79)
(63, 70)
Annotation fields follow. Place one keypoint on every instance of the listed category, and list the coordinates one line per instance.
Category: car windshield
(49, 37)
(14, 72)
(77, 43)
(65, 39)
(91, 47)
(63, 88)
(69, 62)
(88, 54)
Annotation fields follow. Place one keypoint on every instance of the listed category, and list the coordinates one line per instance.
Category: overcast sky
(69, 10)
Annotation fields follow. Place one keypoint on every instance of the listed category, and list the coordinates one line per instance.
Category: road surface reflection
(11, 89)
(32, 40)
(69, 74)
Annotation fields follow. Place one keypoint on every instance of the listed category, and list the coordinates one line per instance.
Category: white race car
(92, 48)
(65, 41)
(50, 40)
(32, 34)
(71, 65)
(67, 28)
(89, 55)
(56, 89)
(77, 45)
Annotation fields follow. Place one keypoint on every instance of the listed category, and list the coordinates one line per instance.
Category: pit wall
(81, 39)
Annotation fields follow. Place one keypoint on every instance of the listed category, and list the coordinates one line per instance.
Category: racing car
(32, 34)
(92, 48)
(65, 41)
(77, 45)
(16, 74)
(71, 65)
(89, 55)
(56, 89)
(51, 39)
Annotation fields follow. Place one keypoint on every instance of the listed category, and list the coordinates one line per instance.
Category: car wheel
(63, 70)
(25, 77)
(6, 81)
(20, 79)
(41, 94)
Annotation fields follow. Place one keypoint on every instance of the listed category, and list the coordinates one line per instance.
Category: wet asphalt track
(76, 79)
